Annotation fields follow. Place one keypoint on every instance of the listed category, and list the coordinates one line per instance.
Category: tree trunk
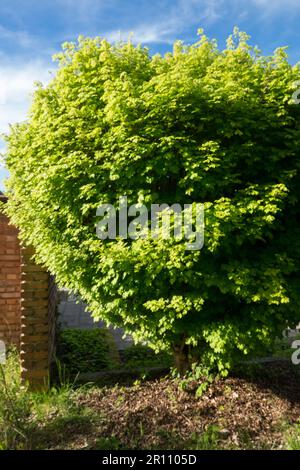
(181, 358)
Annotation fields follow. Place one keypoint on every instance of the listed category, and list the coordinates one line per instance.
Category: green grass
(35, 420)
(15, 405)
(208, 440)
(108, 443)
(292, 437)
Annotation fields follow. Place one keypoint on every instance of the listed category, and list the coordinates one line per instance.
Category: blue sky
(31, 31)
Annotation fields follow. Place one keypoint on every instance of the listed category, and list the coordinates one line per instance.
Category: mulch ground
(250, 410)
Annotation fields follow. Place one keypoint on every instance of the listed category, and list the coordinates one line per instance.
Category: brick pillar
(36, 346)
(10, 274)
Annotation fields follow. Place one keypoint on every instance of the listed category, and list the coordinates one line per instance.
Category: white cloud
(146, 34)
(16, 85)
(168, 28)
(23, 38)
(81, 10)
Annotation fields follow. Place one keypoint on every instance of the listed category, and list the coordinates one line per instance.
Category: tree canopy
(198, 125)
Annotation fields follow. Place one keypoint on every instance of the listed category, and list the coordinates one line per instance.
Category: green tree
(197, 125)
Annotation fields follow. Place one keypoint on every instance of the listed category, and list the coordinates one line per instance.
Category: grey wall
(73, 314)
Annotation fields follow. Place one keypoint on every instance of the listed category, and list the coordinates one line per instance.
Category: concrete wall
(74, 314)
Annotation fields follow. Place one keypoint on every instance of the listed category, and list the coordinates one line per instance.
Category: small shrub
(87, 350)
(197, 380)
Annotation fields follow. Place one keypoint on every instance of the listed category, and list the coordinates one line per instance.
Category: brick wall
(37, 321)
(28, 299)
(10, 277)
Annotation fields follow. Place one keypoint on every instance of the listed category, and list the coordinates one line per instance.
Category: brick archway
(28, 299)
